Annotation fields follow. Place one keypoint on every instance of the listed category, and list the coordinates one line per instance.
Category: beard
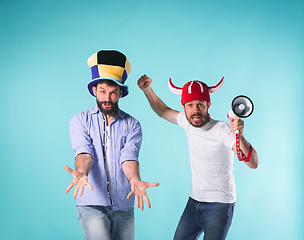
(108, 110)
(200, 120)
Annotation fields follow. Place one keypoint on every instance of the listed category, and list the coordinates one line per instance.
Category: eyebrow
(200, 102)
(116, 88)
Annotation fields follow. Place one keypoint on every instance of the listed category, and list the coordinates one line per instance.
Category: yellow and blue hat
(109, 65)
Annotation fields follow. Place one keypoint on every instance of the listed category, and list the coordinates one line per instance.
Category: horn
(174, 89)
(217, 86)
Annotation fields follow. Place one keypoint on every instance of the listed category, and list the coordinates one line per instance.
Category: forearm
(158, 106)
(131, 170)
(84, 163)
(245, 147)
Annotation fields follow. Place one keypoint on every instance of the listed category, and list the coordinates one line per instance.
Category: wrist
(134, 181)
(82, 172)
(147, 90)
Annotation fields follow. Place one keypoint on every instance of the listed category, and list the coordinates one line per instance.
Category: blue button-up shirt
(87, 136)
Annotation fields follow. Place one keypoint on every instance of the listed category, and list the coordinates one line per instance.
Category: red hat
(195, 90)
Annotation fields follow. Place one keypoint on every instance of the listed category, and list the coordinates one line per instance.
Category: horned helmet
(195, 90)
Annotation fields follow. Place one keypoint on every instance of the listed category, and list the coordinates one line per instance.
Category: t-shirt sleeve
(182, 120)
(228, 136)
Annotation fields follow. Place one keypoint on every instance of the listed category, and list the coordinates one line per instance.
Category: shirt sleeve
(228, 136)
(80, 139)
(182, 120)
(130, 151)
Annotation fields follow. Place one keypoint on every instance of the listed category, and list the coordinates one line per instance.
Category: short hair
(109, 82)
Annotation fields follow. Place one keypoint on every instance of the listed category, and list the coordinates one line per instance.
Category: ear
(94, 89)
(208, 105)
(120, 93)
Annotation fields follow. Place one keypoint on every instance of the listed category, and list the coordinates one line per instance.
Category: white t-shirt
(211, 160)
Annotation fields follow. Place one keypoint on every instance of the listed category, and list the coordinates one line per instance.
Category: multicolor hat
(109, 65)
(195, 90)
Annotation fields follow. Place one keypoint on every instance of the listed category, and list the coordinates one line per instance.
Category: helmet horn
(174, 89)
(216, 87)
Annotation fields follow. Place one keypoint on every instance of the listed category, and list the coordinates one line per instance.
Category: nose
(107, 97)
(197, 109)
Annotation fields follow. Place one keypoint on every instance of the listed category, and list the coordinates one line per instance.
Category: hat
(109, 65)
(195, 90)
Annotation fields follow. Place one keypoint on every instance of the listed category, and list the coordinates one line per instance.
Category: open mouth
(196, 117)
(107, 104)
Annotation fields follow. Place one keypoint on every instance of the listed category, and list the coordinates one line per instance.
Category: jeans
(214, 219)
(102, 223)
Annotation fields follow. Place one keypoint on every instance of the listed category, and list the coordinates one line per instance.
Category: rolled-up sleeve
(130, 151)
(80, 139)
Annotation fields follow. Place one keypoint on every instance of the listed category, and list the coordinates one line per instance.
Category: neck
(110, 116)
(109, 119)
(207, 120)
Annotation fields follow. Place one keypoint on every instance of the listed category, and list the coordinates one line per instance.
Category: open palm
(139, 190)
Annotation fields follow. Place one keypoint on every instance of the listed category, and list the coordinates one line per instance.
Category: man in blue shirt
(106, 142)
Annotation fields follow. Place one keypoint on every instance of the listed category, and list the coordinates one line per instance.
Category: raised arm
(158, 106)
(238, 124)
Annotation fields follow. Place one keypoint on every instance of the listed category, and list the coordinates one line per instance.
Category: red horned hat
(195, 90)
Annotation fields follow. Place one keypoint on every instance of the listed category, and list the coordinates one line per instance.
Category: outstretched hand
(79, 180)
(139, 189)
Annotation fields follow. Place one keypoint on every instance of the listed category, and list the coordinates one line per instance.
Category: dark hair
(108, 82)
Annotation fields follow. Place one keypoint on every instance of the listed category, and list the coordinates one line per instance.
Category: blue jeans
(214, 219)
(99, 222)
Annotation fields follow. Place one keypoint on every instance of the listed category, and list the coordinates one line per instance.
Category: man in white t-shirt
(211, 146)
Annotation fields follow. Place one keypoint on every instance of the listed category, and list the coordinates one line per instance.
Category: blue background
(257, 45)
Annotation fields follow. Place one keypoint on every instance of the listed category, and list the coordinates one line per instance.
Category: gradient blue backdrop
(257, 45)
